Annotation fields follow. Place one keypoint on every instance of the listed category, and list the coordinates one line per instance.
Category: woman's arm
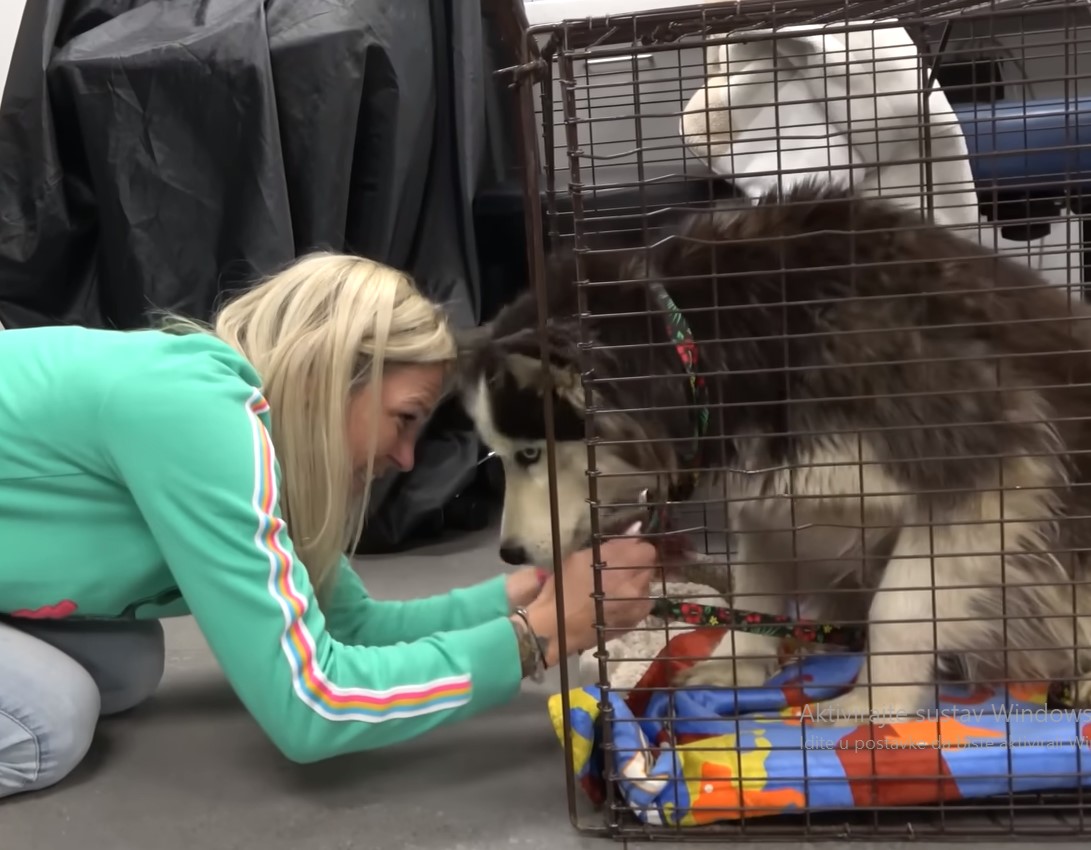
(195, 453)
(354, 617)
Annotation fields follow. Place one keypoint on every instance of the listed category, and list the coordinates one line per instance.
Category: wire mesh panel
(815, 280)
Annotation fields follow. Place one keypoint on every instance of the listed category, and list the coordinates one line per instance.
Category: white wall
(11, 13)
(554, 11)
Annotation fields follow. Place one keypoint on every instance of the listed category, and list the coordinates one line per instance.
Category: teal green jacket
(138, 480)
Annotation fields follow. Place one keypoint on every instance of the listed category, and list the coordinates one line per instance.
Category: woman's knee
(125, 658)
(139, 660)
(49, 707)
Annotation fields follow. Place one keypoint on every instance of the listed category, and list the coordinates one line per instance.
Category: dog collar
(773, 625)
(682, 335)
(792, 631)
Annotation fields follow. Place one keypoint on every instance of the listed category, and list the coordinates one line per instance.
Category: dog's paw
(1081, 695)
(726, 673)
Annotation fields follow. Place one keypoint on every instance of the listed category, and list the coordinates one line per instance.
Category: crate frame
(546, 54)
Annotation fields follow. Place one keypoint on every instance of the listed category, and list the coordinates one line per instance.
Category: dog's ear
(565, 381)
(521, 356)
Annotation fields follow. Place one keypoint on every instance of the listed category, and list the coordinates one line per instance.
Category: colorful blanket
(719, 755)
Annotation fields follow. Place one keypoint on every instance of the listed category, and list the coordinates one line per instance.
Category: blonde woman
(222, 472)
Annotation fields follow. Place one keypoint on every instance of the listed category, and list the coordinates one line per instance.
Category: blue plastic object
(1040, 147)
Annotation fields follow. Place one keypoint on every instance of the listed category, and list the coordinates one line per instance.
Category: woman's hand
(524, 585)
(630, 566)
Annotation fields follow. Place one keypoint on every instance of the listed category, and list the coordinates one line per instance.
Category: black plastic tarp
(159, 154)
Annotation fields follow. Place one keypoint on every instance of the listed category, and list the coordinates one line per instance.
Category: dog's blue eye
(526, 457)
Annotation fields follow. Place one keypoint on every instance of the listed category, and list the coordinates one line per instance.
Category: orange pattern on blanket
(902, 763)
(720, 795)
(1034, 692)
(942, 731)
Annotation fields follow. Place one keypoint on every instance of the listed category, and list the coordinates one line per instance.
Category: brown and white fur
(899, 419)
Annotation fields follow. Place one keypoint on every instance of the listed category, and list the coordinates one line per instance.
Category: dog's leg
(759, 583)
(989, 593)
(1080, 676)
(814, 566)
(899, 668)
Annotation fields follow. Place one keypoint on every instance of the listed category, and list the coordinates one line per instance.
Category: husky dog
(898, 418)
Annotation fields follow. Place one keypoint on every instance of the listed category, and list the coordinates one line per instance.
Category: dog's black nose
(514, 555)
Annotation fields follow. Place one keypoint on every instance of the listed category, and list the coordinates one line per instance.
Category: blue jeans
(56, 679)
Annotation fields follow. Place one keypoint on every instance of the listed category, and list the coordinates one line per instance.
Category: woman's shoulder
(96, 342)
(137, 361)
(180, 362)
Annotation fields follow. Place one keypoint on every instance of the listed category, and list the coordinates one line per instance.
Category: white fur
(818, 531)
(837, 531)
(526, 515)
(630, 655)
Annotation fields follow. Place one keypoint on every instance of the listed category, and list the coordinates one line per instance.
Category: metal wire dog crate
(974, 115)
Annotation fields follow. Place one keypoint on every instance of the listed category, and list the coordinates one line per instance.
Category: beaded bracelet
(531, 646)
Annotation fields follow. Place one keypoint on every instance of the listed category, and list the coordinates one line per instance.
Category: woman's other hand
(524, 585)
(630, 565)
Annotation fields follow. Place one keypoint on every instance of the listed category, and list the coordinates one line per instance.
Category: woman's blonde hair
(317, 332)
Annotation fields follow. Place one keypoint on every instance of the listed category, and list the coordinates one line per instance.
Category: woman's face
(407, 397)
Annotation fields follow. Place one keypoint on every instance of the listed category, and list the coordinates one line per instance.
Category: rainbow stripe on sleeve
(311, 684)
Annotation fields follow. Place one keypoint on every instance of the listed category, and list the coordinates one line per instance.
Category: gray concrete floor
(189, 769)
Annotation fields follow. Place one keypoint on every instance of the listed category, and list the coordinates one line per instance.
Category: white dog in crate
(912, 442)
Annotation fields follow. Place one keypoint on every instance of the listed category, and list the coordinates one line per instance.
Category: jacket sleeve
(199, 464)
(355, 617)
